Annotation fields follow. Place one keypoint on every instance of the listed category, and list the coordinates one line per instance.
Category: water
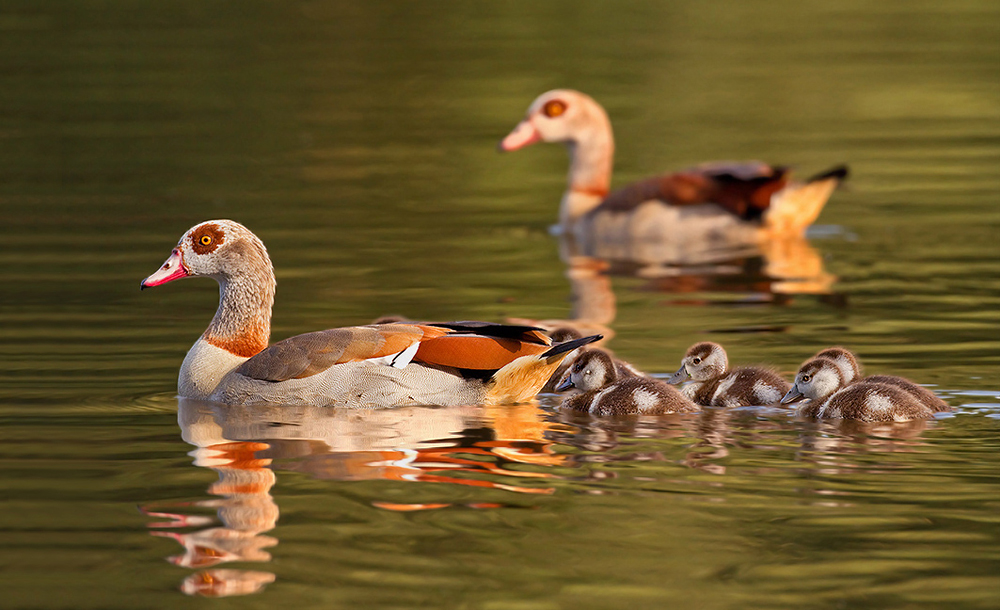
(358, 142)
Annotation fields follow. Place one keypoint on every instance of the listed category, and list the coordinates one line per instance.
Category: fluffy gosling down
(714, 384)
(851, 369)
(831, 396)
(605, 392)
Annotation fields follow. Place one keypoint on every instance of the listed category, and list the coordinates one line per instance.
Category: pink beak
(523, 135)
(171, 270)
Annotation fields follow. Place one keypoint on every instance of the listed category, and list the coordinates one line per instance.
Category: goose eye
(207, 239)
(553, 108)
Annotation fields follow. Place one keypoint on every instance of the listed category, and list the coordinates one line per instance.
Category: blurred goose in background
(605, 392)
(831, 396)
(851, 371)
(379, 365)
(714, 384)
(683, 217)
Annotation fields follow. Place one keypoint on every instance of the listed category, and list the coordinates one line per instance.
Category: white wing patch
(723, 389)
(877, 403)
(645, 400)
(595, 403)
(399, 359)
(765, 393)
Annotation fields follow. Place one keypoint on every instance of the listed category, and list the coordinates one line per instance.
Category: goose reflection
(777, 269)
(471, 446)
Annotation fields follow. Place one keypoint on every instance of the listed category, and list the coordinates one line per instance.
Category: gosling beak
(679, 376)
(793, 395)
(523, 135)
(565, 384)
(171, 270)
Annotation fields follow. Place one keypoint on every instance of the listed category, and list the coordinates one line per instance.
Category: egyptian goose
(371, 366)
(715, 384)
(851, 371)
(605, 392)
(831, 396)
(722, 202)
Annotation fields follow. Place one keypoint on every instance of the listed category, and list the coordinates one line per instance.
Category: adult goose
(380, 365)
(720, 205)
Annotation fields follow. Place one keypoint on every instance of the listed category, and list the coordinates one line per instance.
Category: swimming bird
(719, 204)
(851, 370)
(831, 396)
(567, 333)
(715, 384)
(378, 365)
(605, 392)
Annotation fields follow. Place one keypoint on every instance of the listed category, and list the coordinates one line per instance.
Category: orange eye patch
(554, 108)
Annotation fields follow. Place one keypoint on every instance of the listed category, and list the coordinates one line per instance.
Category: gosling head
(592, 370)
(845, 360)
(816, 380)
(702, 361)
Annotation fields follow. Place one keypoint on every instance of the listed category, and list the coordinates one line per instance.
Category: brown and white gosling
(851, 369)
(831, 397)
(568, 333)
(714, 384)
(605, 392)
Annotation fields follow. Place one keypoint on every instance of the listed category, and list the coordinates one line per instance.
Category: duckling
(831, 397)
(567, 333)
(605, 392)
(715, 385)
(852, 371)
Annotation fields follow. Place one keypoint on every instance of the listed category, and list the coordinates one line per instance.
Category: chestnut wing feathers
(311, 353)
(743, 189)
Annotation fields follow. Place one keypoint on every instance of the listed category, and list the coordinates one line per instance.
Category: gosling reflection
(472, 446)
(713, 440)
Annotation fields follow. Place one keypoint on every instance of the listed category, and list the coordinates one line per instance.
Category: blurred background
(358, 140)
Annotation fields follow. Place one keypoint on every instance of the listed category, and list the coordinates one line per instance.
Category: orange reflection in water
(471, 446)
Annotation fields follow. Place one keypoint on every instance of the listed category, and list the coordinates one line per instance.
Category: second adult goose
(716, 204)
(379, 365)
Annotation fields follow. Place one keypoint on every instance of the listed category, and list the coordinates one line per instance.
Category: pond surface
(358, 141)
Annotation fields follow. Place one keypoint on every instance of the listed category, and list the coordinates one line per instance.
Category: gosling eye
(696, 360)
(554, 108)
(806, 378)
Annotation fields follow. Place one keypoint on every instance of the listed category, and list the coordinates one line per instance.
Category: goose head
(219, 249)
(232, 255)
(593, 369)
(560, 115)
(702, 361)
(816, 380)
